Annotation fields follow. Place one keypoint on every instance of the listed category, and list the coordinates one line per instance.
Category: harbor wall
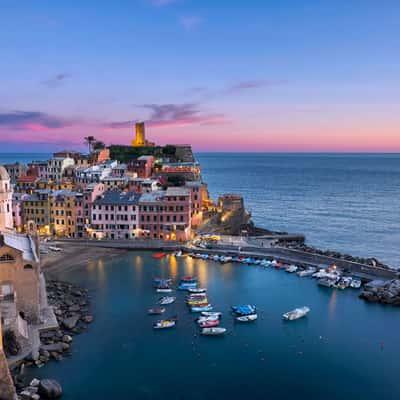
(7, 389)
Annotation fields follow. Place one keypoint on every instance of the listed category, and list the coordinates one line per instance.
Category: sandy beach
(74, 256)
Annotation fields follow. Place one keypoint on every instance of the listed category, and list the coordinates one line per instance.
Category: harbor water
(345, 348)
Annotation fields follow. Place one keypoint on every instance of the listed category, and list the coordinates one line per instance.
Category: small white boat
(213, 331)
(197, 290)
(211, 314)
(54, 248)
(296, 313)
(166, 300)
(164, 290)
(355, 283)
(306, 272)
(204, 319)
(247, 318)
(291, 268)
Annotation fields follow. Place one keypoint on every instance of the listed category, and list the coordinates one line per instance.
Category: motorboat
(165, 289)
(212, 314)
(166, 300)
(156, 311)
(306, 272)
(291, 268)
(245, 309)
(213, 331)
(296, 313)
(165, 323)
(204, 318)
(209, 323)
(355, 283)
(326, 282)
(187, 286)
(247, 318)
(197, 290)
(207, 307)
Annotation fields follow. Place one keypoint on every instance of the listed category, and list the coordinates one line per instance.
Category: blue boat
(201, 309)
(245, 309)
(187, 286)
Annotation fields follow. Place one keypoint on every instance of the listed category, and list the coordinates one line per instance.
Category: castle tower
(6, 193)
(140, 140)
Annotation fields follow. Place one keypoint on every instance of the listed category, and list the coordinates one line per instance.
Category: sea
(345, 348)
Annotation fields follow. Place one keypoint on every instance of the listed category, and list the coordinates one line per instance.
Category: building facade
(6, 194)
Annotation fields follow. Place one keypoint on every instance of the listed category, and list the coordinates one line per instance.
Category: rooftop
(152, 197)
(118, 197)
(177, 191)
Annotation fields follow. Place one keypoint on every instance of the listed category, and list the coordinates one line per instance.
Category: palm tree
(89, 141)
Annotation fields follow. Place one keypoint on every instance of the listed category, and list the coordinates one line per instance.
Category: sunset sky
(255, 75)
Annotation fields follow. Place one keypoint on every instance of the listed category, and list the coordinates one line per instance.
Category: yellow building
(36, 207)
(140, 140)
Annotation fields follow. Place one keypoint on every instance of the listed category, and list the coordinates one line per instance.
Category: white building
(56, 167)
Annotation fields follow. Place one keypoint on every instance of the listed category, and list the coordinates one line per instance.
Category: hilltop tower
(140, 140)
(6, 193)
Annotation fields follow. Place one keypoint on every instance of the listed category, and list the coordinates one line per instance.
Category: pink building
(115, 215)
(166, 214)
(90, 193)
(199, 197)
(142, 166)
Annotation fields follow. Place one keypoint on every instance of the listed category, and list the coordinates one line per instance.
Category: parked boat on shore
(296, 313)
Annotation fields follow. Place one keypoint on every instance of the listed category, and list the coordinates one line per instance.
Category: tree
(169, 150)
(89, 140)
(98, 145)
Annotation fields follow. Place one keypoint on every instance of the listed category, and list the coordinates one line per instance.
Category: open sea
(344, 349)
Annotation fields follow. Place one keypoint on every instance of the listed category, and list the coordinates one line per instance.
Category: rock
(87, 318)
(74, 308)
(67, 339)
(50, 389)
(70, 323)
(35, 396)
(25, 395)
(34, 382)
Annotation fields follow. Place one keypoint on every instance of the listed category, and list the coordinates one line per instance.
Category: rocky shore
(71, 306)
(385, 293)
(373, 262)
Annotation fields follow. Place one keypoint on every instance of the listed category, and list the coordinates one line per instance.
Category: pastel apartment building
(115, 215)
(56, 167)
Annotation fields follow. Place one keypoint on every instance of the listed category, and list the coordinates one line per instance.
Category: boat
(165, 323)
(355, 283)
(296, 313)
(164, 290)
(178, 253)
(187, 286)
(209, 323)
(211, 314)
(166, 300)
(156, 311)
(213, 331)
(54, 248)
(197, 290)
(306, 272)
(159, 255)
(207, 307)
(291, 268)
(247, 318)
(326, 282)
(209, 318)
(245, 309)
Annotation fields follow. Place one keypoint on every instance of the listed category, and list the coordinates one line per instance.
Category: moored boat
(211, 314)
(306, 272)
(165, 323)
(166, 300)
(209, 323)
(213, 331)
(159, 255)
(207, 307)
(164, 290)
(291, 268)
(247, 318)
(355, 283)
(244, 309)
(197, 290)
(156, 311)
(296, 313)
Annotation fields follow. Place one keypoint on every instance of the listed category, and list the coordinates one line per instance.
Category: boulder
(57, 347)
(70, 323)
(34, 382)
(50, 389)
(67, 339)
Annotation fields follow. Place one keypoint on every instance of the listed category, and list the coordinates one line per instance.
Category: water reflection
(173, 267)
(332, 304)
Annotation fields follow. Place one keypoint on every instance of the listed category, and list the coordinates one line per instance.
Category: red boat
(159, 255)
(209, 324)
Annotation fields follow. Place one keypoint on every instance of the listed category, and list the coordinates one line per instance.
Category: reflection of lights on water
(138, 264)
(203, 273)
(332, 303)
(100, 271)
(173, 266)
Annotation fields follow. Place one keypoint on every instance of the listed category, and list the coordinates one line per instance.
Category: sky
(255, 75)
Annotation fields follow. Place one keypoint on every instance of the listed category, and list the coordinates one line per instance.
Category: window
(6, 258)
(28, 266)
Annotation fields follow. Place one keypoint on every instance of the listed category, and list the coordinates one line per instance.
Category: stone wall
(7, 389)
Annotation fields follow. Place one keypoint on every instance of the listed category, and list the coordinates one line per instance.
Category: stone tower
(6, 193)
(140, 140)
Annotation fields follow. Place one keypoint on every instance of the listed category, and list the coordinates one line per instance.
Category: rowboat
(159, 255)
(202, 308)
(211, 314)
(164, 324)
(197, 290)
(296, 313)
(209, 324)
(164, 290)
